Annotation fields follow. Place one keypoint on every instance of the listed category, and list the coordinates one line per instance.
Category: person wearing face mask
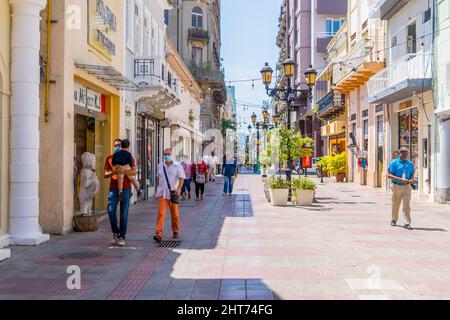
(169, 179)
(111, 172)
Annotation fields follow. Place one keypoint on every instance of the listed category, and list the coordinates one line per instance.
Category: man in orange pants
(170, 178)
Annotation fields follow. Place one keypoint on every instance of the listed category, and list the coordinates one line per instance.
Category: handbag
(200, 178)
(174, 198)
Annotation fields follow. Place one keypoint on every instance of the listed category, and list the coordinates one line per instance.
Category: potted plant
(265, 162)
(338, 166)
(303, 191)
(279, 191)
(324, 164)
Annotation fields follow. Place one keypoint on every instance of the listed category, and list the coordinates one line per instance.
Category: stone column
(443, 181)
(24, 227)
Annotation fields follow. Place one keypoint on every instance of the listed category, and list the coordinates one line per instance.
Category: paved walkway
(240, 247)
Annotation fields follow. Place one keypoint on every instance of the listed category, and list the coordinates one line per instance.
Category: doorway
(380, 150)
(88, 137)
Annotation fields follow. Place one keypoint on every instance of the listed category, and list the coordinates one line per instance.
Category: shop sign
(405, 105)
(86, 98)
(102, 25)
(307, 162)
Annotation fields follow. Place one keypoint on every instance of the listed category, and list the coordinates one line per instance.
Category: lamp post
(287, 94)
(257, 126)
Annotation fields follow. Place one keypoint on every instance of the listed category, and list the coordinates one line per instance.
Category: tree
(282, 139)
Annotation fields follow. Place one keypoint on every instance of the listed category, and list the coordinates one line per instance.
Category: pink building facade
(310, 25)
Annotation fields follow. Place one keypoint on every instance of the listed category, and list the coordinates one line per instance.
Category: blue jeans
(186, 186)
(227, 185)
(113, 202)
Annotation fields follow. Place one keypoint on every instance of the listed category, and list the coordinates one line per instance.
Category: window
(412, 39)
(166, 17)
(333, 25)
(137, 30)
(197, 55)
(427, 15)
(197, 17)
(130, 26)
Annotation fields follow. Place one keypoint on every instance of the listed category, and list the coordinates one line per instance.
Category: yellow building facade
(81, 101)
(5, 93)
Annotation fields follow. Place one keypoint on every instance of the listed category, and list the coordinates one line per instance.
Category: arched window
(197, 17)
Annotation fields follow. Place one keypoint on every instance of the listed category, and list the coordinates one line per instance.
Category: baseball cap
(403, 149)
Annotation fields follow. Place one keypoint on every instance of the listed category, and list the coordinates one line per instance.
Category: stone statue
(89, 184)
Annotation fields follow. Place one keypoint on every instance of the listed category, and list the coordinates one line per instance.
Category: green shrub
(278, 183)
(324, 162)
(303, 184)
(338, 164)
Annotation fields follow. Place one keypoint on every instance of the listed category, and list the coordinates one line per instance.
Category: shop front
(335, 133)
(148, 152)
(92, 121)
(412, 129)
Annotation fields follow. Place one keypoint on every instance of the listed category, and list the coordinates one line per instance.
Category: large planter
(85, 223)
(340, 177)
(305, 197)
(279, 197)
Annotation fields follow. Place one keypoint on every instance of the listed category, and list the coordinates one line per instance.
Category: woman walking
(199, 174)
(187, 167)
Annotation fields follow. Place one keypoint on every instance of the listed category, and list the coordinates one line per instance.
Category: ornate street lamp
(266, 73)
(289, 68)
(311, 77)
(287, 94)
(275, 119)
(265, 115)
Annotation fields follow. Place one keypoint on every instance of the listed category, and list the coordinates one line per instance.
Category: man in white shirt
(212, 166)
(175, 176)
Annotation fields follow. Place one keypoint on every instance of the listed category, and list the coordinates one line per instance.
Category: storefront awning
(110, 75)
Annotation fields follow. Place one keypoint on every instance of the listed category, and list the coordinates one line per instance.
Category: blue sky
(249, 29)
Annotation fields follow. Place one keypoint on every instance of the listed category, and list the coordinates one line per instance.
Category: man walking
(212, 166)
(119, 231)
(170, 178)
(401, 172)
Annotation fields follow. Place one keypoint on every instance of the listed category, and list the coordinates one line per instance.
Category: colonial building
(331, 104)
(404, 91)
(5, 93)
(144, 120)
(82, 45)
(364, 123)
(194, 28)
(441, 86)
(184, 133)
(310, 25)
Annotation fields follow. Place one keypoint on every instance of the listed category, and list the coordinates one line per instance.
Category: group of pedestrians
(173, 182)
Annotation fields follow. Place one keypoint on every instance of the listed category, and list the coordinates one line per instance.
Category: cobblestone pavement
(240, 247)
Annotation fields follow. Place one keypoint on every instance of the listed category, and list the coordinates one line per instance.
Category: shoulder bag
(174, 198)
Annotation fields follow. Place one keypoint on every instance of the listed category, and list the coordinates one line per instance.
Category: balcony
(365, 58)
(331, 106)
(333, 128)
(385, 9)
(204, 73)
(198, 34)
(157, 85)
(409, 74)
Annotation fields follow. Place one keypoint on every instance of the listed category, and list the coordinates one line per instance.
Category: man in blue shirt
(401, 172)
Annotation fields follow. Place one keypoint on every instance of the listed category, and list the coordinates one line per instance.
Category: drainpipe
(47, 67)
